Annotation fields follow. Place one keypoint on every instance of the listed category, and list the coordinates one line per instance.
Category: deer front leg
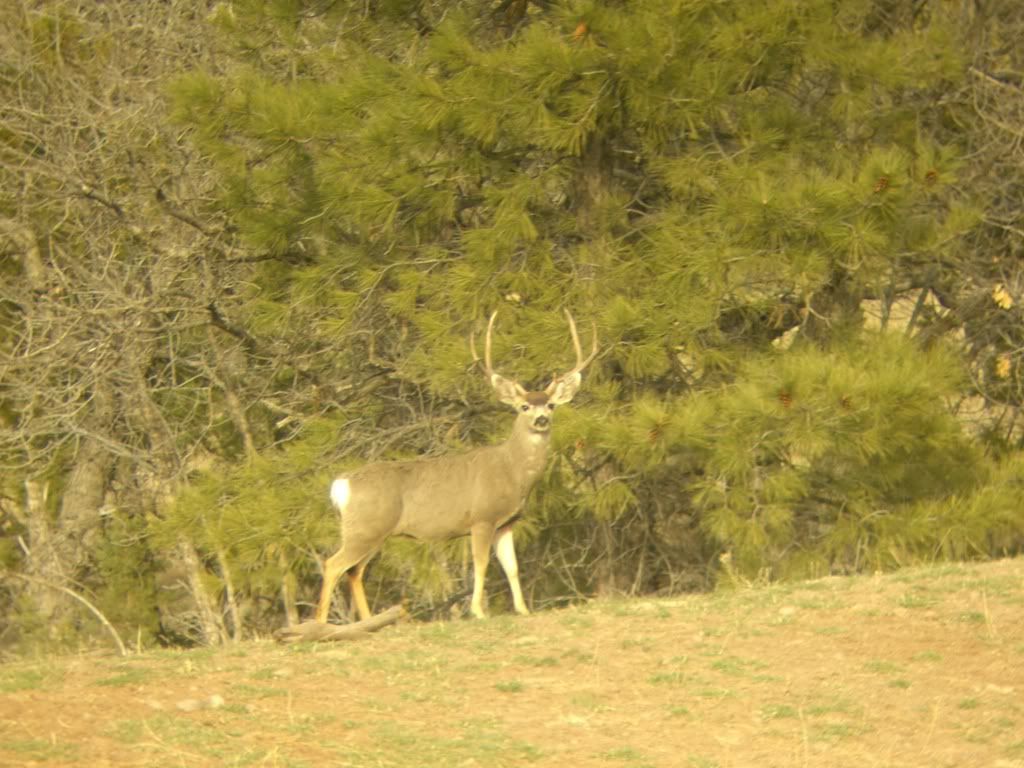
(355, 582)
(481, 536)
(505, 549)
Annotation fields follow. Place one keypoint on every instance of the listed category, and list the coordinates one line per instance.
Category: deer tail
(341, 492)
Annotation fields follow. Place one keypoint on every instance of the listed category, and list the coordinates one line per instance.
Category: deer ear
(508, 391)
(563, 388)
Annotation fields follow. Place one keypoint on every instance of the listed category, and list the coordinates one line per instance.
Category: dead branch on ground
(313, 631)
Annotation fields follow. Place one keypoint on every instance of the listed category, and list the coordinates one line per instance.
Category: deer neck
(528, 450)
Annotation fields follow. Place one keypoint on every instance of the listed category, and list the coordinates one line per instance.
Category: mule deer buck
(479, 492)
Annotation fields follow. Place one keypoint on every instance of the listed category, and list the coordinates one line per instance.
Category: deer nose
(541, 421)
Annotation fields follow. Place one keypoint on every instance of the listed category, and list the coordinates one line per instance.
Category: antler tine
(580, 362)
(488, 369)
(487, 346)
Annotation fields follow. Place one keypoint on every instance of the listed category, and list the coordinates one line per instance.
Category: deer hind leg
(341, 562)
(336, 565)
(481, 536)
(505, 549)
(356, 551)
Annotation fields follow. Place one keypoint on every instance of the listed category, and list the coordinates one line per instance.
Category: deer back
(436, 498)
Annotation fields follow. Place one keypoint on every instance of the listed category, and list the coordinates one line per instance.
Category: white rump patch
(341, 492)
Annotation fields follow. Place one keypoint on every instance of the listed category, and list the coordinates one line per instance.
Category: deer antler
(488, 369)
(580, 362)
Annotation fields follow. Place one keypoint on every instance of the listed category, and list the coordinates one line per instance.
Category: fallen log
(314, 631)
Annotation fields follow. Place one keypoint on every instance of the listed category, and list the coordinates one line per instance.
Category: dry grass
(921, 668)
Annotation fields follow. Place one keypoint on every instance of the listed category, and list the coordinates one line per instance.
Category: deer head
(535, 408)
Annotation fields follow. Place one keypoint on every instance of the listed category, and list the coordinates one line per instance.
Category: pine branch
(218, 321)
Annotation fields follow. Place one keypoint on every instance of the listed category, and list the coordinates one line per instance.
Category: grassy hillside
(920, 668)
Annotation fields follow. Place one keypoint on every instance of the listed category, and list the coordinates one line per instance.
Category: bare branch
(74, 595)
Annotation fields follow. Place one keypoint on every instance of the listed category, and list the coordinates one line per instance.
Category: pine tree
(718, 186)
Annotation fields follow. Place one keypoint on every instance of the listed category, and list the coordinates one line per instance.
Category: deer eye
(551, 406)
(524, 407)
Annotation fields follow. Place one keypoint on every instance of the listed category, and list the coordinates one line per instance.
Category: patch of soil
(921, 668)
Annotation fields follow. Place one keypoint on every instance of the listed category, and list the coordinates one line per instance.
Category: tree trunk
(43, 562)
(289, 588)
(229, 593)
(604, 569)
(61, 548)
(208, 622)
(591, 187)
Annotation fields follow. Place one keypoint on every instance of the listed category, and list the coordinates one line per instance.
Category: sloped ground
(920, 668)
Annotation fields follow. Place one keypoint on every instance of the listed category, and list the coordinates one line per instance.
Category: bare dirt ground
(919, 668)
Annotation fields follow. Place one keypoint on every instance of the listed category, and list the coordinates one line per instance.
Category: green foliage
(259, 519)
(126, 578)
(812, 454)
(474, 146)
(985, 522)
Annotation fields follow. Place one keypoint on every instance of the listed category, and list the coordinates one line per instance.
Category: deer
(480, 492)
